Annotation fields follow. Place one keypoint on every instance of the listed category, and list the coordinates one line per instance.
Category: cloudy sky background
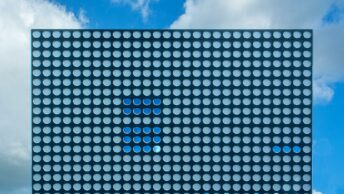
(17, 17)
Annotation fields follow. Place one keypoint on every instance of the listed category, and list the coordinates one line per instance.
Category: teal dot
(156, 149)
(286, 149)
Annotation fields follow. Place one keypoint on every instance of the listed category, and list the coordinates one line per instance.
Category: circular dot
(126, 149)
(156, 149)
(137, 130)
(126, 130)
(126, 101)
(147, 111)
(146, 130)
(156, 130)
(146, 101)
(137, 101)
(126, 111)
(137, 111)
(147, 139)
(137, 149)
(126, 139)
(156, 101)
(157, 111)
(276, 149)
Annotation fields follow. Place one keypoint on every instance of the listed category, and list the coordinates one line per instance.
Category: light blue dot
(126, 130)
(297, 149)
(147, 101)
(276, 149)
(137, 149)
(286, 149)
(156, 130)
(126, 101)
(147, 149)
(156, 149)
(147, 139)
(126, 139)
(137, 111)
(156, 111)
(127, 111)
(126, 149)
(137, 101)
(137, 130)
(157, 139)
(156, 101)
(147, 111)
(146, 130)
(137, 139)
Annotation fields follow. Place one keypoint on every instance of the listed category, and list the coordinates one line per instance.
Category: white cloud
(17, 18)
(316, 192)
(246, 14)
(143, 6)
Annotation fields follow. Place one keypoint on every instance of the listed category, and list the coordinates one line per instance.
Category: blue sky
(325, 17)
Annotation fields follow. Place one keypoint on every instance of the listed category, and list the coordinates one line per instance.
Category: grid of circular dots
(145, 107)
(234, 111)
(141, 135)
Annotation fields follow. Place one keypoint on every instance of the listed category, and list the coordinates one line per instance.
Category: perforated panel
(171, 111)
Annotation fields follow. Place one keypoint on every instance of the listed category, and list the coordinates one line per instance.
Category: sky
(325, 17)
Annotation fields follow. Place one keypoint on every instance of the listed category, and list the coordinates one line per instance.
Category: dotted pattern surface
(171, 111)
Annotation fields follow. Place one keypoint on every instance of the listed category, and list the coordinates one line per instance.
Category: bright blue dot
(156, 130)
(126, 149)
(146, 101)
(156, 101)
(146, 130)
(156, 149)
(276, 149)
(127, 111)
(137, 149)
(156, 111)
(126, 130)
(297, 149)
(137, 101)
(147, 149)
(126, 139)
(137, 139)
(147, 111)
(147, 139)
(286, 149)
(137, 111)
(126, 101)
(157, 139)
(137, 130)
